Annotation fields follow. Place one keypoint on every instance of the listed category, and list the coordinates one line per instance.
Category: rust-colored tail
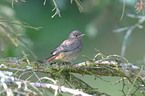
(50, 58)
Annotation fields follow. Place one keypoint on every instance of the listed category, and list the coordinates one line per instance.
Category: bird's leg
(70, 61)
(65, 63)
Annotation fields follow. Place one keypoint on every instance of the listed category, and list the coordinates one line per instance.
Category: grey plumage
(70, 48)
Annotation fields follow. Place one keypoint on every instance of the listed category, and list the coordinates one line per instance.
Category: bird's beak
(83, 34)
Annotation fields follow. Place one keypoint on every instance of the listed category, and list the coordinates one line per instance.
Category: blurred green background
(99, 19)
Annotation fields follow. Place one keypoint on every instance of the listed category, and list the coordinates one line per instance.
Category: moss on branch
(105, 66)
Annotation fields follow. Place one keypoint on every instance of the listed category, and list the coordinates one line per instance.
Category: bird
(69, 49)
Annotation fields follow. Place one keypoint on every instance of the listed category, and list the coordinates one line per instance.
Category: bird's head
(76, 35)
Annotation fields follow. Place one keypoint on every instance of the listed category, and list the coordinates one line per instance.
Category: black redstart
(69, 49)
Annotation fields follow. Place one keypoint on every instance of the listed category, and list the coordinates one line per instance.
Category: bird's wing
(66, 46)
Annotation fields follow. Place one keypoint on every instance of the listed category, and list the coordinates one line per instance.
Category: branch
(112, 65)
(60, 88)
(129, 30)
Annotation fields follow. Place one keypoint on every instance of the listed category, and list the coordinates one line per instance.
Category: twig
(123, 10)
(54, 81)
(44, 2)
(128, 33)
(71, 1)
(16, 1)
(79, 4)
(57, 10)
(2, 48)
(134, 81)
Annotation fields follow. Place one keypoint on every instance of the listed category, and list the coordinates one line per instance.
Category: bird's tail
(50, 58)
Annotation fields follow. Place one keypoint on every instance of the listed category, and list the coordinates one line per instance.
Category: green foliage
(13, 30)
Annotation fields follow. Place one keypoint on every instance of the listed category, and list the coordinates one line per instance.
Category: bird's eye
(75, 35)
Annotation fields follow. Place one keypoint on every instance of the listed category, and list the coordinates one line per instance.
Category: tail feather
(50, 58)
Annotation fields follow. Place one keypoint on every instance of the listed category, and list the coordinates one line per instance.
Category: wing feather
(66, 46)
